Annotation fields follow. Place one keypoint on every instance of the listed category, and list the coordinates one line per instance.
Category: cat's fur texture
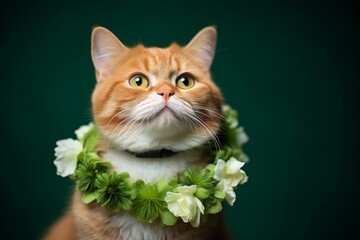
(160, 115)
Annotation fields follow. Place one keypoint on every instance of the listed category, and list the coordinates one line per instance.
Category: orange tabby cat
(149, 99)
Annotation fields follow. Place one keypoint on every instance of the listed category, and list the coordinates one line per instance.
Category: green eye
(185, 82)
(139, 81)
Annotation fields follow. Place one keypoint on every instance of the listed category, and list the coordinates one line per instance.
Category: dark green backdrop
(291, 70)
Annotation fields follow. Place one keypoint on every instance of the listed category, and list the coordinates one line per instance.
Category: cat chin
(163, 119)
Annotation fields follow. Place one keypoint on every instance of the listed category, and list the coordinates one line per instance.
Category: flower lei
(190, 195)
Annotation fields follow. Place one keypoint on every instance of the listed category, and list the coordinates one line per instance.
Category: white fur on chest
(150, 169)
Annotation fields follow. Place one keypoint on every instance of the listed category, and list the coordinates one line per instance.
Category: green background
(291, 69)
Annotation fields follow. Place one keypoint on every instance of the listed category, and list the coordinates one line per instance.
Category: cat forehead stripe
(161, 62)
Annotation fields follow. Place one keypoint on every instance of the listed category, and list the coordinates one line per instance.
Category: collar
(161, 153)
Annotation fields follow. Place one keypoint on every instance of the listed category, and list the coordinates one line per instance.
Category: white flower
(185, 205)
(82, 130)
(66, 154)
(242, 137)
(230, 195)
(229, 174)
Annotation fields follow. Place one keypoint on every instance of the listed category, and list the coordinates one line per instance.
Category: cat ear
(105, 49)
(203, 45)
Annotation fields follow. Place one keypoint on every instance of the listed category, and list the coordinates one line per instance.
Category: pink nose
(166, 93)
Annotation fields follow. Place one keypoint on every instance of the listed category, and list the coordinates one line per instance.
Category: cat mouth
(165, 110)
(163, 115)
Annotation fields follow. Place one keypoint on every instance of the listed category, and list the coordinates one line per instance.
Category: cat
(145, 100)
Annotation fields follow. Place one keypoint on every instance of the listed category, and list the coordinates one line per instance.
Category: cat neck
(155, 168)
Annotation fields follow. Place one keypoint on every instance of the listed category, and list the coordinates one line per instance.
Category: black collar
(161, 153)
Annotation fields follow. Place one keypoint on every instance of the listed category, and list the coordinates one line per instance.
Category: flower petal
(228, 190)
(233, 166)
(234, 181)
(172, 202)
(200, 206)
(187, 190)
(230, 196)
(82, 130)
(185, 205)
(184, 208)
(66, 154)
(221, 186)
(65, 167)
(242, 137)
(219, 170)
(195, 221)
(172, 197)
(244, 178)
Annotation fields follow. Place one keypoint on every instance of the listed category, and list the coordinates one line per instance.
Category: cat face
(154, 98)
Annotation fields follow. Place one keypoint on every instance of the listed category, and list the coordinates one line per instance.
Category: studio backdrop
(291, 69)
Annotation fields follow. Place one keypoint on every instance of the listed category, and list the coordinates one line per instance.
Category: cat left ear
(106, 48)
(203, 45)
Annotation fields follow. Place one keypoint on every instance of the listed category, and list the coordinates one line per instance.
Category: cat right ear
(106, 48)
(203, 45)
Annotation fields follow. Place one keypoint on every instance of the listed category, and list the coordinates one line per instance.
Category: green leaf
(86, 173)
(219, 194)
(81, 156)
(201, 193)
(173, 184)
(199, 177)
(88, 197)
(92, 156)
(113, 192)
(210, 167)
(227, 152)
(91, 139)
(139, 183)
(103, 166)
(88, 167)
(124, 175)
(215, 208)
(167, 218)
(149, 202)
(163, 186)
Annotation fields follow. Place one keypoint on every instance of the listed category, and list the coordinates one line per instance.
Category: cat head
(154, 98)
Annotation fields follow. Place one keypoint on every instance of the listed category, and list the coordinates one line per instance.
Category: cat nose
(166, 93)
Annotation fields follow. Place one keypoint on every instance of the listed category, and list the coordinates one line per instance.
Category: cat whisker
(134, 119)
(127, 119)
(116, 115)
(189, 123)
(202, 124)
(206, 115)
(189, 116)
(114, 130)
(200, 107)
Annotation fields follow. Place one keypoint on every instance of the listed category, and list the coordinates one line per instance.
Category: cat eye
(138, 81)
(185, 81)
